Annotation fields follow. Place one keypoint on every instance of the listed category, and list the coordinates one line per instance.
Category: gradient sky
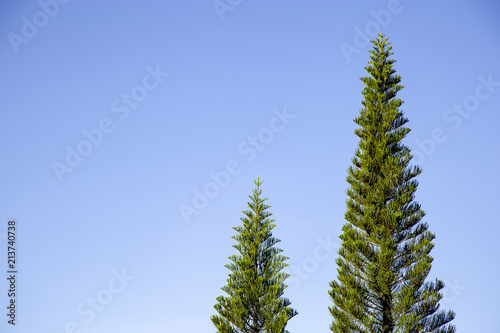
(157, 98)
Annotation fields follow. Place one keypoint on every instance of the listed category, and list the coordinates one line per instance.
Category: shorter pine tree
(255, 287)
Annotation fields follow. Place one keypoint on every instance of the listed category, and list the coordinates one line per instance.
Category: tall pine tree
(255, 302)
(384, 256)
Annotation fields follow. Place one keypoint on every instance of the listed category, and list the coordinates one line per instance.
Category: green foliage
(384, 257)
(256, 284)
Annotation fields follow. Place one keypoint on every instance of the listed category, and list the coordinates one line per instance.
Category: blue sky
(118, 114)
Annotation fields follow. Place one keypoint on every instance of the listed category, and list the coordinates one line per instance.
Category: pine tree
(255, 287)
(384, 257)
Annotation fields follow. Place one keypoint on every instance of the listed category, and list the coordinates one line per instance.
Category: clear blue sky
(117, 114)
